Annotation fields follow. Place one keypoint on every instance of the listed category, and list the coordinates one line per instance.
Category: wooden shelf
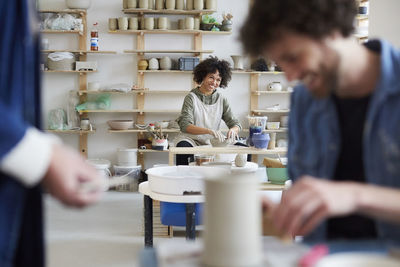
(169, 32)
(142, 131)
(271, 92)
(71, 71)
(258, 72)
(62, 31)
(71, 131)
(166, 71)
(141, 52)
(80, 51)
(68, 11)
(270, 111)
(227, 150)
(141, 92)
(280, 130)
(142, 11)
(362, 17)
(129, 111)
(151, 150)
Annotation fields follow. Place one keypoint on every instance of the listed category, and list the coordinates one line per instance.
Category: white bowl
(78, 4)
(273, 125)
(120, 124)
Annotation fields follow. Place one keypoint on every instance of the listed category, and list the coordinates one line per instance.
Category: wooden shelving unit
(80, 52)
(194, 32)
(140, 11)
(142, 52)
(71, 131)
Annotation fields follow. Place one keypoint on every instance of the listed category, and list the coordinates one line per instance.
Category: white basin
(180, 180)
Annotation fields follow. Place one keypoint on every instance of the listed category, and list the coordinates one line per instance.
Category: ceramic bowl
(79, 4)
(277, 175)
(273, 125)
(120, 124)
(216, 143)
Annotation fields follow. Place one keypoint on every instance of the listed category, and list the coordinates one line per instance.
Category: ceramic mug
(189, 23)
(133, 23)
(123, 23)
(149, 23)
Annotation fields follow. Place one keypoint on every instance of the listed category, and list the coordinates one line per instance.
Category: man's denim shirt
(314, 136)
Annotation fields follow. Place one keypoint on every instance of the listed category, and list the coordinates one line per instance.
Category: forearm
(379, 202)
(192, 129)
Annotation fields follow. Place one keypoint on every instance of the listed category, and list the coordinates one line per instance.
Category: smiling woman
(204, 108)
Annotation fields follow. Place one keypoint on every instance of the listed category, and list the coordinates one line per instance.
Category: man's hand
(218, 134)
(65, 175)
(309, 201)
(233, 134)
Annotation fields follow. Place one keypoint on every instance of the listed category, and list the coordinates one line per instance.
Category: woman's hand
(219, 135)
(233, 134)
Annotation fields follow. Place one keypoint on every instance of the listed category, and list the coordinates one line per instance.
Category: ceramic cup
(179, 4)
(189, 23)
(112, 24)
(196, 23)
(189, 4)
(232, 221)
(149, 23)
(159, 4)
(133, 23)
(131, 3)
(170, 4)
(143, 4)
(181, 24)
(211, 4)
(123, 23)
(163, 23)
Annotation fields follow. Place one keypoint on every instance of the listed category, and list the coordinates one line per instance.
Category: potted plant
(207, 23)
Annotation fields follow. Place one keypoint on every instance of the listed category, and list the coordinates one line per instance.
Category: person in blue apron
(204, 108)
(29, 158)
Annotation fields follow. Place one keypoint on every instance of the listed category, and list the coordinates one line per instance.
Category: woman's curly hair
(315, 18)
(211, 65)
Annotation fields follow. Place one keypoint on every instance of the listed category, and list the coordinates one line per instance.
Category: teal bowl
(277, 175)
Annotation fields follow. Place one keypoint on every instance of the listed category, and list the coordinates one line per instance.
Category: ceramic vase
(237, 62)
(196, 23)
(123, 23)
(162, 23)
(133, 23)
(189, 4)
(144, 4)
(124, 4)
(181, 24)
(198, 4)
(149, 23)
(180, 4)
(131, 4)
(151, 4)
(153, 64)
(165, 63)
(142, 64)
(211, 4)
(189, 23)
(159, 4)
(112, 24)
(227, 25)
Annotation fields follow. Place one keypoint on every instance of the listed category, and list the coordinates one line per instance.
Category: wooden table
(223, 150)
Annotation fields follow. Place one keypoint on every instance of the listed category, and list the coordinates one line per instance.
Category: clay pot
(189, 4)
(112, 24)
(123, 23)
(189, 23)
(165, 63)
(163, 23)
(131, 3)
(149, 23)
(227, 25)
(170, 4)
(142, 64)
(211, 4)
(133, 23)
(159, 4)
(198, 4)
(179, 5)
(153, 64)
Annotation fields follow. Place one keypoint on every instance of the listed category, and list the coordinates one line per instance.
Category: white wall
(384, 20)
(121, 68)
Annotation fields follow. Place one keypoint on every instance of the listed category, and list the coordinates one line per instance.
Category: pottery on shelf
(226, 25)
(153, 64)
(165, 63)
(170, 4)
(211, 4)
(260, 140)
(274, 86)
(237, 62)
(142, 64)
(159, 4)
(198, 4)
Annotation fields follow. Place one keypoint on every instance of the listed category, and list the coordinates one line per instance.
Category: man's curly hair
(314, 18)
(211, 65)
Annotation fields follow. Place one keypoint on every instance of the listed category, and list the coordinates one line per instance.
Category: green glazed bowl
(277, 175)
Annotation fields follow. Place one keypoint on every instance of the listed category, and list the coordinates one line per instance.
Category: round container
(142, 64)
(131, 4)
(198, 4)
(273, 125)
(127, 156)
(151, 4)
(163, 23)
(277, 175)
(143, 4)
(189, 4)
(253, 130)
(85, 124)
(153, 64)
(124, 4)
(123, 23)
(189, 23)
(133, 23)
(112, 24)
(211, 4)
(181, 24)
(165, 63)
(170, 4)
(159, 4)
(275, 87)
(179, 4)
(133, 173)
(149, 23)
(260, 140)
(196, 23)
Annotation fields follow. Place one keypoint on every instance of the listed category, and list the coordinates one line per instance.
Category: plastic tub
(133, 172)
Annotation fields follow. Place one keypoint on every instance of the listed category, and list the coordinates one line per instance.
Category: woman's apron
(205, 116)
